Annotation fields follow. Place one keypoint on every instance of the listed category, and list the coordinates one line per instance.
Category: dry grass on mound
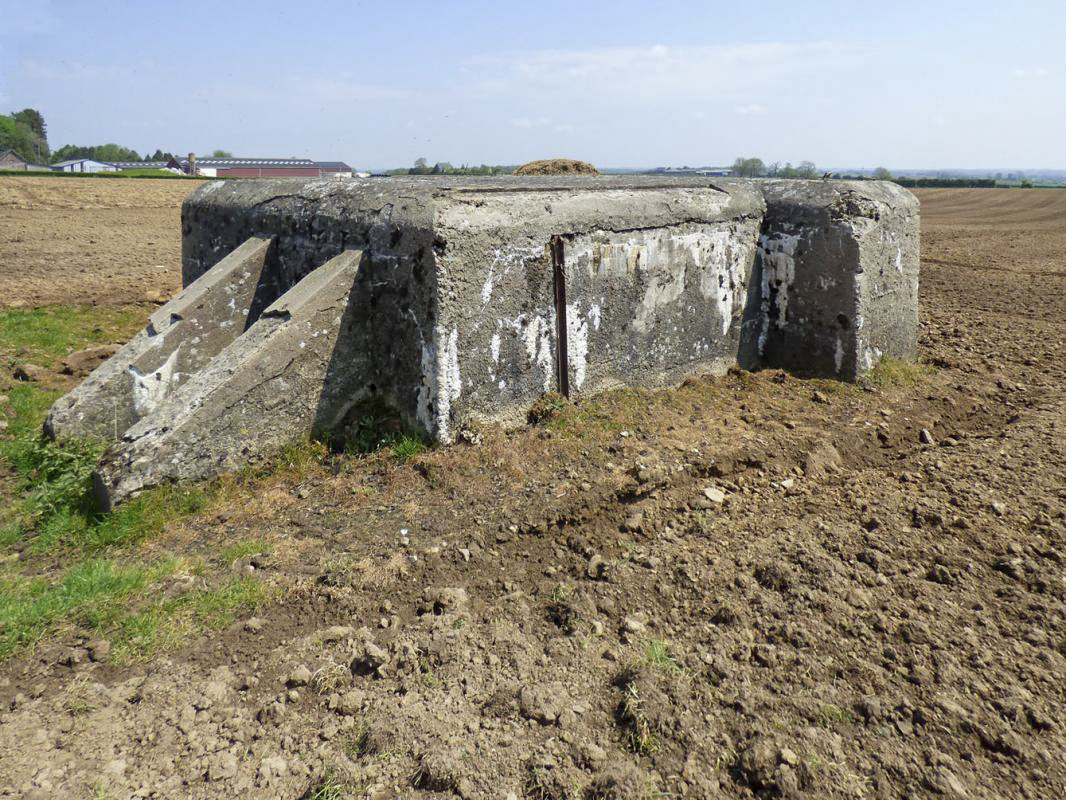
(557, 166)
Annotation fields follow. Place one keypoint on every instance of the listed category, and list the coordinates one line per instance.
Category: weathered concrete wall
(461, 279)
(838, 267)
(641, 266)
(473, 297)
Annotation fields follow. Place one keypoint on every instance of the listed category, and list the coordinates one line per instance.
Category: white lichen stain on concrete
(577, 343)
(871, 356)
(448, 386)
(494, 350)
(838, 355)
(536, 334)
(507, 257)
(540, 349)
(595, 312)
(152, 389)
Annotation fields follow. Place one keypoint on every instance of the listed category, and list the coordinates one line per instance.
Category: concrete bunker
(469, 298)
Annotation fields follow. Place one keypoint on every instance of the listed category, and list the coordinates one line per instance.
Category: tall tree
(32, 118)
(18, 136)
(749, 167)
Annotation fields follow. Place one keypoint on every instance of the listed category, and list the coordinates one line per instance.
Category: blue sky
(902, 84)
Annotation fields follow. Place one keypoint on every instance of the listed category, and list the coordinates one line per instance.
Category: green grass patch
(897, 372)
(243, 549)
(142, 517)
(407, 447)
(44, 336)
(29, 405)
(831, 716)
(375, 426)
(92, 592)
(165, 624)
(611, 412)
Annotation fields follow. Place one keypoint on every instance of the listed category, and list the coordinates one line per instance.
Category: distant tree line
(26, 133)
(106, 152)
(755, 168)
(422, 167)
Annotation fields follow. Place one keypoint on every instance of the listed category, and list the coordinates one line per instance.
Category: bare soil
(89, 241)
(752, 586)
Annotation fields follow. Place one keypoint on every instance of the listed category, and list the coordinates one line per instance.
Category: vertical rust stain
(562, 370)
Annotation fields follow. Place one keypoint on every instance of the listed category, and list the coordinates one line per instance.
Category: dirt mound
(557, 166)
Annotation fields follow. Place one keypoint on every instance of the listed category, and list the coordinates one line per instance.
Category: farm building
(83, 165)
(260, 167)
(11, 160)
(124, 165)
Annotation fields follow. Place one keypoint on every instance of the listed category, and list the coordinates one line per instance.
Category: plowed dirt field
(751, 586)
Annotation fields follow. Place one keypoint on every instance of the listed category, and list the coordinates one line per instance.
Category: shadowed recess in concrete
(473, 297)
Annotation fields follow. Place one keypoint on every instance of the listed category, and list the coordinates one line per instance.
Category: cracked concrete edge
(260, 393)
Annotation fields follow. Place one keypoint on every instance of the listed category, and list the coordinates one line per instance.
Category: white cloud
(530, 122)
(75, 71)
(657, 74)
(751, 108)
(1031, 72)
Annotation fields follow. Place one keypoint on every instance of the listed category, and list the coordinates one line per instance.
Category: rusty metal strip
(562, 370)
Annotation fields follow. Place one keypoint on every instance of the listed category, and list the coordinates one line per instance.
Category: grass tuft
(407, 447)
(897, 372)
(330, 787)
(165, 624)
(44, 336)
(657, 655)
(831, 716)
